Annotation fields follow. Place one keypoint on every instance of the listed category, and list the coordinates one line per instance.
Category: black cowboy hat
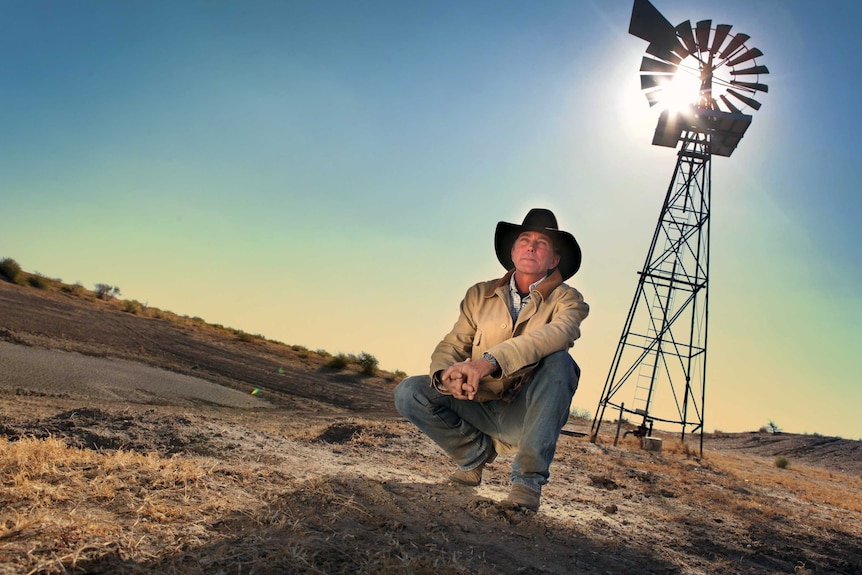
(544, 221)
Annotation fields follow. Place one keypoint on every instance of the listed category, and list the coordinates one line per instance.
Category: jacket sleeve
(457, 345)
(559, 333)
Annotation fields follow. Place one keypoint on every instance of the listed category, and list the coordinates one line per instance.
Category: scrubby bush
(782, 462)
(10, 270)
(133, 307)
(244, 336)
(368, 363)
(39, 281)
(338, 361)
(105, 291)
(301, 351)
(77, 289)
(580, 413)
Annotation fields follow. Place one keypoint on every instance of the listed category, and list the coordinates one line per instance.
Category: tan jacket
(550, 322)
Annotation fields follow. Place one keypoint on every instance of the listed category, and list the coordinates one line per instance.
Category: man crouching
(504, 374)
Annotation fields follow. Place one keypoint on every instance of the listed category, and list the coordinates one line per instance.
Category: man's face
(533, 254)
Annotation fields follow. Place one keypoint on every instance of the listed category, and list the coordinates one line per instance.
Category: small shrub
(170, 316)
(580, 413)
(133, 307)
(301, 351)
(39, 281)
(10, 270)
(398, 374)
(782, 462)
(105, 291)
(243, 336)
(77, 289)
(368, 363)
(338, 361)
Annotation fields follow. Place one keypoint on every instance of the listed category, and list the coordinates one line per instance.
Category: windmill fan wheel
(727, 68)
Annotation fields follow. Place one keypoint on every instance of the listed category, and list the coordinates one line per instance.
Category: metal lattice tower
(658, 372)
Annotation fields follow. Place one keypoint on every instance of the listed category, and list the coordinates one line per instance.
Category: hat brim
(564, 242)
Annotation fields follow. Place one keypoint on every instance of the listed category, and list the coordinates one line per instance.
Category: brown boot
(473, 477)
(523, 496)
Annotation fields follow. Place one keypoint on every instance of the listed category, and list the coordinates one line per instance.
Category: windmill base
(651, 443)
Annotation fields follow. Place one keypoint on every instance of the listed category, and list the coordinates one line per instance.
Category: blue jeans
(532, 420)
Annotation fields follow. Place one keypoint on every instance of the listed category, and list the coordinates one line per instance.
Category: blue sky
(330, 174)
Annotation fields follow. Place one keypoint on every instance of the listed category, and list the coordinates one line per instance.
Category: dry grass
(66, 509)
(810, 485)
(342, 510)
(61, 506)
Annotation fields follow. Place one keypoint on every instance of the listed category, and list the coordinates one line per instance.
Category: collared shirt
(516, 302)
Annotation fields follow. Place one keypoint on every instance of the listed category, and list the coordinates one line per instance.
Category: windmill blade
(745, 57)
(703, 29)
(737, 41)
(650, 65)
(744, 99)
(653, 97)
(648, 24)
(650, 81)
(754, 87)
(730, 105)
(663, 53)
(721, 32)
(755, 70)
(684, 32)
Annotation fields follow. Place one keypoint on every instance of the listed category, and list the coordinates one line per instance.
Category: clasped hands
(462, 379)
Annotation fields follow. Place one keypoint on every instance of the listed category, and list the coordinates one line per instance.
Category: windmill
(660, 361)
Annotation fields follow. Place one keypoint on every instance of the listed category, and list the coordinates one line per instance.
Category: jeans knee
(559, 367)
(406, 395)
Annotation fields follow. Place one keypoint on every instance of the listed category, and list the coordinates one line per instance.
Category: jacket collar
(544, 288)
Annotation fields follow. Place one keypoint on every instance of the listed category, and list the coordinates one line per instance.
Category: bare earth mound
(325, 478)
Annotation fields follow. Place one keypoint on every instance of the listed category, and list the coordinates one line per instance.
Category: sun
(680, 92)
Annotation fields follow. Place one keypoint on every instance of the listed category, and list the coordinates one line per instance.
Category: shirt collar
(514, 288)
(546, 287)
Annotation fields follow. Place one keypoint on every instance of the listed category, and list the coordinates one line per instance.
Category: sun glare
(680, 93)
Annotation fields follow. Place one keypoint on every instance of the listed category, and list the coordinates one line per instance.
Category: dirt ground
(329, 479)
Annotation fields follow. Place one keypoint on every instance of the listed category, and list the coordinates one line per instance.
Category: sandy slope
(71, 374)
